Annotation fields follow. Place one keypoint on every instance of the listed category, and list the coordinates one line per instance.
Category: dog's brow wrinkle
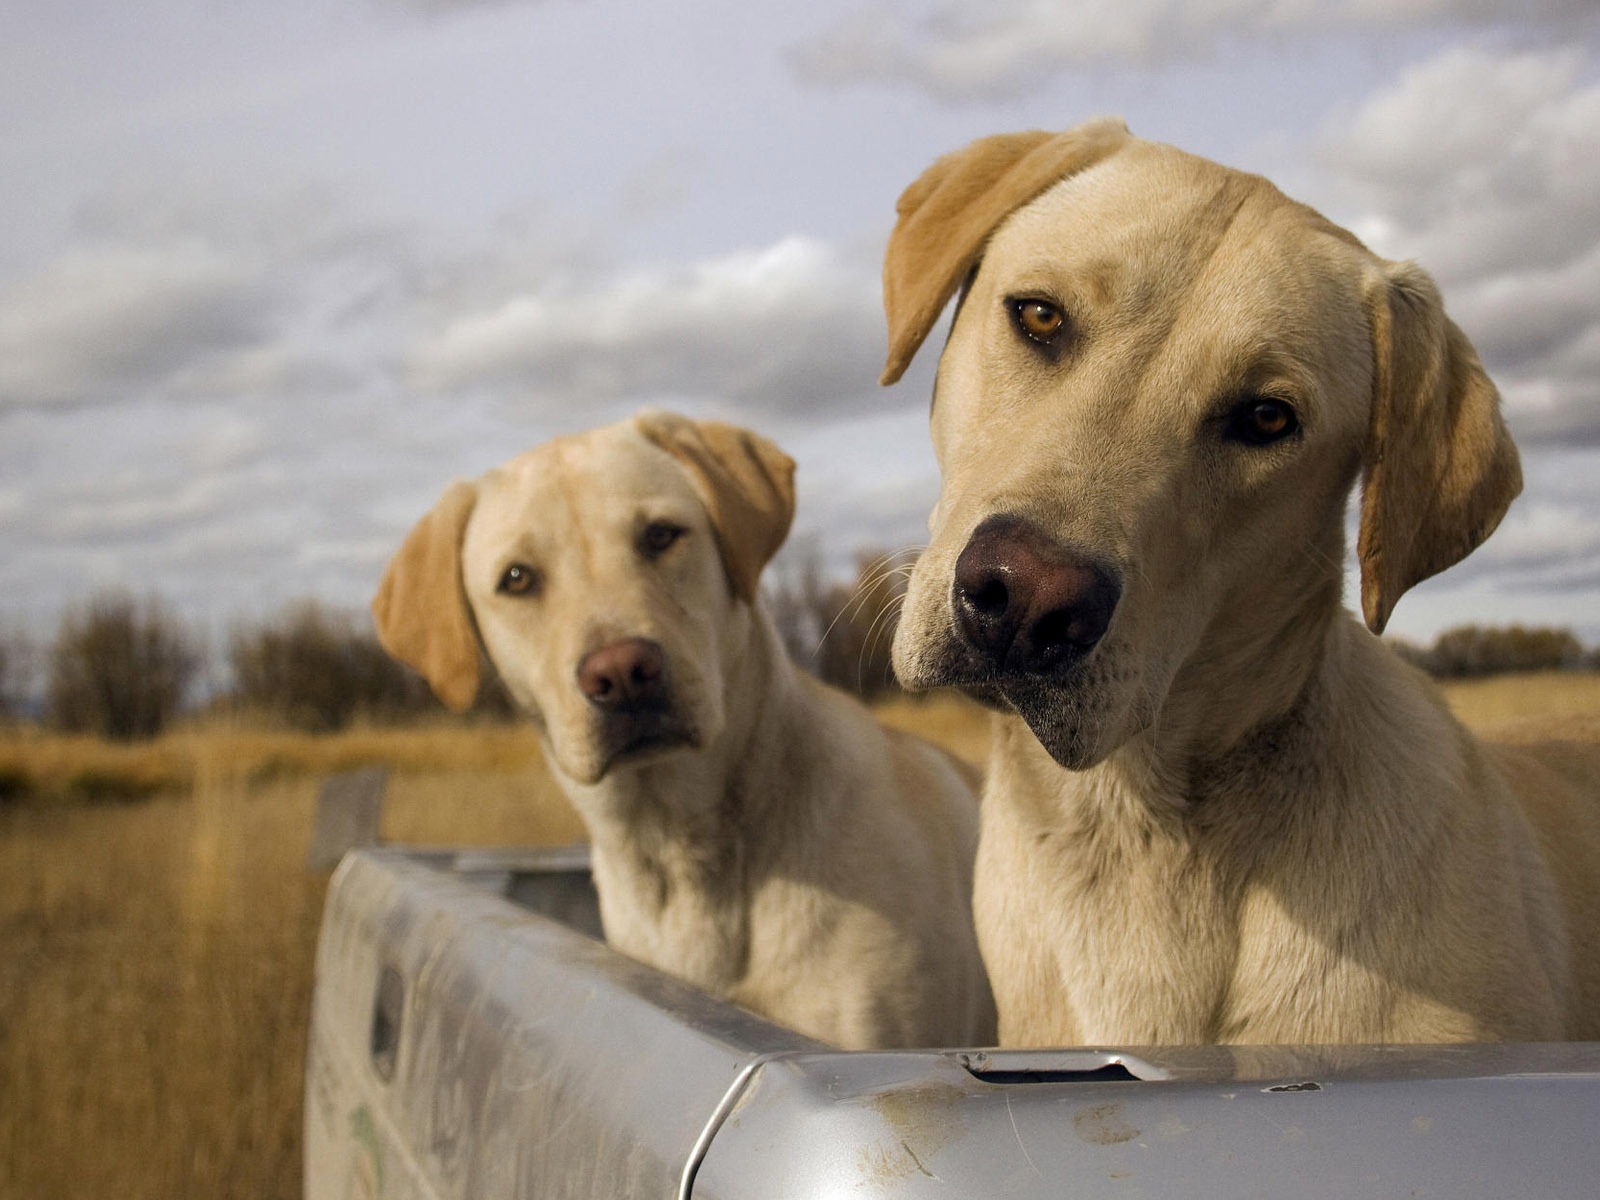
(1174, 287)
(1222, 211)
(568, 484)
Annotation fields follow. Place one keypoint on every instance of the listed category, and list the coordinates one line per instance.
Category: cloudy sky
(271, 274)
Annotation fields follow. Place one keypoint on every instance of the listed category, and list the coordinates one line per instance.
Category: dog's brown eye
(1260, 421)
(658, 537)
(1039, 320)
(519, 579)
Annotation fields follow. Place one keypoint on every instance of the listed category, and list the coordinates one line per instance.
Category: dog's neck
(676, 840)
(1245, 691)
(1245, 676)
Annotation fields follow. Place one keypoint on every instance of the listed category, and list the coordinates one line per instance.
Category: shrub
(318, 670)
(99, 785)
(14, 782)
(1485, 650)
(119, 668)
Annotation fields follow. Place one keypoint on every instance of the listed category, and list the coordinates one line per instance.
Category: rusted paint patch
(924, 1119)
(1103, 1125)
(928, 1116)
(889, 1164)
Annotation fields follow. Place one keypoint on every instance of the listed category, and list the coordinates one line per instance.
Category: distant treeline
(1469, 650)
(123, 668)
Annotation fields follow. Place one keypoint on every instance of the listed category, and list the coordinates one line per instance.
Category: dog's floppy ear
(421, 607)
(746, 482)
(1441, 468)
(947, 215)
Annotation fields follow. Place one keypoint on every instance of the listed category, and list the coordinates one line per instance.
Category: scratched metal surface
(1488, 1122)
(530, 1061)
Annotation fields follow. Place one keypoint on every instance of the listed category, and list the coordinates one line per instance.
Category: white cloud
(789, 326)
(1542, 539)
(214, 355)
(176, 287)
(1485, 168)
(104, 318)
(955, 50)
(1484, 159)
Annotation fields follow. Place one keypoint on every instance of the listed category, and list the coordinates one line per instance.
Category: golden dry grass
(960, 725)
(1538, 695)
(155, 956)
(155, 974)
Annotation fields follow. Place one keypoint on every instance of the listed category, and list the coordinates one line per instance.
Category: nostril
(990, 598)
(1078, 606)
(1067, 627)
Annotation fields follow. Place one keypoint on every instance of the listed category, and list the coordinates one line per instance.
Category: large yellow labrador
(754, 831)
(1218, 809)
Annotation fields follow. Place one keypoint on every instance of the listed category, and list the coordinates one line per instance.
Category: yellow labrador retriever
(1218, 809)
(754, 832)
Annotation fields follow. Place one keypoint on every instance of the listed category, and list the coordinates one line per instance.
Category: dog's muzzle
(1026, 606)
(628, 687)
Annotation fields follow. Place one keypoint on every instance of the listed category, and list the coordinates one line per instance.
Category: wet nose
(1025, 602)
(625, 675)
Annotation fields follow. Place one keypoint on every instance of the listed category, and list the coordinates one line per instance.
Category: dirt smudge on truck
(1103, 1125)
(923, 1119)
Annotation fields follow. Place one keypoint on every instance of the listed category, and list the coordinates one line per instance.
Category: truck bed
(471, 1036)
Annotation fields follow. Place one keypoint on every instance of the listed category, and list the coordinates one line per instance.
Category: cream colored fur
(1239, 818)
(787, 852)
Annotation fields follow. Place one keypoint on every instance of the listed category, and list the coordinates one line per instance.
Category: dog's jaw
(1079, 720)
(591, 746)
(641, 739)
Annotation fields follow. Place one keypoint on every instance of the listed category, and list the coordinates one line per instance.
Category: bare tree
(794, 593)
(856, 645)
(16, 673)
(843, 633)
(120, 668)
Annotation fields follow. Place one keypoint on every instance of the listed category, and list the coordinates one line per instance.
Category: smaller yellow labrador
(754, 832)
(1218, 809)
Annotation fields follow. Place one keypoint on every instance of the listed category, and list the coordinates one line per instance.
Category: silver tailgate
(463, 1044)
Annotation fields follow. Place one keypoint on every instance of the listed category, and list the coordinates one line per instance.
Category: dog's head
(608, 576)
(1161, 381)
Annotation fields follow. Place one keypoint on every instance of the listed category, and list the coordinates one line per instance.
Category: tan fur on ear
(947, 215)
(747, 484)
(421, 608)
(1441, 468)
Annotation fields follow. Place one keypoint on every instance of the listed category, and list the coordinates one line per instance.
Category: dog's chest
(1100, 927)
(674, 913)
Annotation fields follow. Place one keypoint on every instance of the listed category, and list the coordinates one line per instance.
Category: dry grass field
(157, 927)
(155, 953)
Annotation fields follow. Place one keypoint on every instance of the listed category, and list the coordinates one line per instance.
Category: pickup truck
(472, 1036)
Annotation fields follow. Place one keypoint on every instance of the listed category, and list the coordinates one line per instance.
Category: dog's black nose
(1025, 602)
(625, 675)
